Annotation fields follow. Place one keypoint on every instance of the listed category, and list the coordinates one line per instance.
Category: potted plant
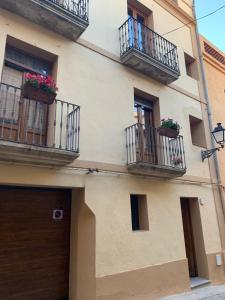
(169, 128)
(40, 88)
(176, 160)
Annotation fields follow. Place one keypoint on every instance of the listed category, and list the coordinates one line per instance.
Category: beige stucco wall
(108, 197)
(99, 85)
(186, 5)
(120, 251)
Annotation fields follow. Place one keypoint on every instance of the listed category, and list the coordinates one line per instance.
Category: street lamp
(218, 134)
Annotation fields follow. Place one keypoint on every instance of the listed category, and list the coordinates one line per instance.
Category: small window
(197, 132)
(139, 212)
(191, 66)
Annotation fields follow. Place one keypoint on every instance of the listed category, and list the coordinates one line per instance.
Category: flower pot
(37, 94)
(171, 133)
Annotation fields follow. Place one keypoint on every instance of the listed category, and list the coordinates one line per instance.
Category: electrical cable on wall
(197, 19)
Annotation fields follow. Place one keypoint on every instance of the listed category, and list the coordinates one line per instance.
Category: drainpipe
(209, 112)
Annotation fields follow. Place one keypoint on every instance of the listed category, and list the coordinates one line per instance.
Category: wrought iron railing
(32, 122)
(134, 35)
(145, 145)
(80, 8)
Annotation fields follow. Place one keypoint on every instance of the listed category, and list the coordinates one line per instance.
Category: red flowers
(45, 83)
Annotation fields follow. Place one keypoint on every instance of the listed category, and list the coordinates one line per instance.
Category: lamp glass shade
(219, 134)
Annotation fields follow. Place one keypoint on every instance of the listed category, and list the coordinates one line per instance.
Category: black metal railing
(32, 122)
(134, 35)
(145, 145)
(79, 8)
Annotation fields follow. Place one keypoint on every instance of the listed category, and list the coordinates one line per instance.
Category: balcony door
(10, 95)
(22, 120)
(145, 134)
(137, 22)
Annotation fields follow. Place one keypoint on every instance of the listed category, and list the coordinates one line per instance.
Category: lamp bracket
(207, 153)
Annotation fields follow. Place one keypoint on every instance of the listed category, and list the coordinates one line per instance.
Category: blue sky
(212, 27)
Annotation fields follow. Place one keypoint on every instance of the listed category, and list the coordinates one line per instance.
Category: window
(145, 133)
(139, 17)
(197, 132)
(25, 120)
(143, 111)
(139, 212)
(24, 61)
(17, 62)
(191, 66)
(139, 11)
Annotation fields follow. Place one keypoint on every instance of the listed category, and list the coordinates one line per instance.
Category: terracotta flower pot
(171, 133)
(38, 94)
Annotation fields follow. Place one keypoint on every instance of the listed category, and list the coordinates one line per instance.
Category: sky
(212, 27)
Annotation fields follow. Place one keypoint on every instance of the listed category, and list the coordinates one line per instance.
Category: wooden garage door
(34, 247)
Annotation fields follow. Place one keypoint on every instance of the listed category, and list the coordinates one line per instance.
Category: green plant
(169, 123)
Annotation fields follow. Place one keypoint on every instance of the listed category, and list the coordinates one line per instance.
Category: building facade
(214, 65)
(95, 202)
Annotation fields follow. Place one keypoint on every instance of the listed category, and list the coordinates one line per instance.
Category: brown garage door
(34, 247)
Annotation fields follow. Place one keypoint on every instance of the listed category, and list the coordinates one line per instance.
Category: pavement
(206, 293)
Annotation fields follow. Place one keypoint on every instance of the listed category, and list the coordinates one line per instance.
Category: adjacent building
(214, 64)
(214, 68)
(95, 202)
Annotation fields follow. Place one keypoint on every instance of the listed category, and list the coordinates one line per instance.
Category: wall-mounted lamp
(218, 134)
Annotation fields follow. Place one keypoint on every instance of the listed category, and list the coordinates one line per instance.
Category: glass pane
(36, 115)
(130, 12)
(12, 76)
(9, 104)
(36, 64)
(218, 136)
(140, 19)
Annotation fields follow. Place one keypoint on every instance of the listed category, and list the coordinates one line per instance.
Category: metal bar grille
(145, 144)
(80, 8)
(134, 35)
(27, 121)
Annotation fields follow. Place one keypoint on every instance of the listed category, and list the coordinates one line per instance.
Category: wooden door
(35, 119)
(136, 24)
(22, 120)
(188, 237)
(145, 135)
(10, 104)
(34, 247)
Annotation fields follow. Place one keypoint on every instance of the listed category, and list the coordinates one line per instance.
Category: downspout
(209, 112)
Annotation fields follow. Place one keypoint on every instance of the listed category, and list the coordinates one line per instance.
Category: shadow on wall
(82, 249)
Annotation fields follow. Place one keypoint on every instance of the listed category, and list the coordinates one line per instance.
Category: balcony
(65, 17)
(146, 51)
(149, 153)
(35, 132)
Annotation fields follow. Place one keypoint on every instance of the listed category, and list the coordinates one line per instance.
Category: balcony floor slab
(29, 154)
(49, 15)
(149, 66)
(147, 169)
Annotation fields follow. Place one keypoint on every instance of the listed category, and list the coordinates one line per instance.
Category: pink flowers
(45, 83)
